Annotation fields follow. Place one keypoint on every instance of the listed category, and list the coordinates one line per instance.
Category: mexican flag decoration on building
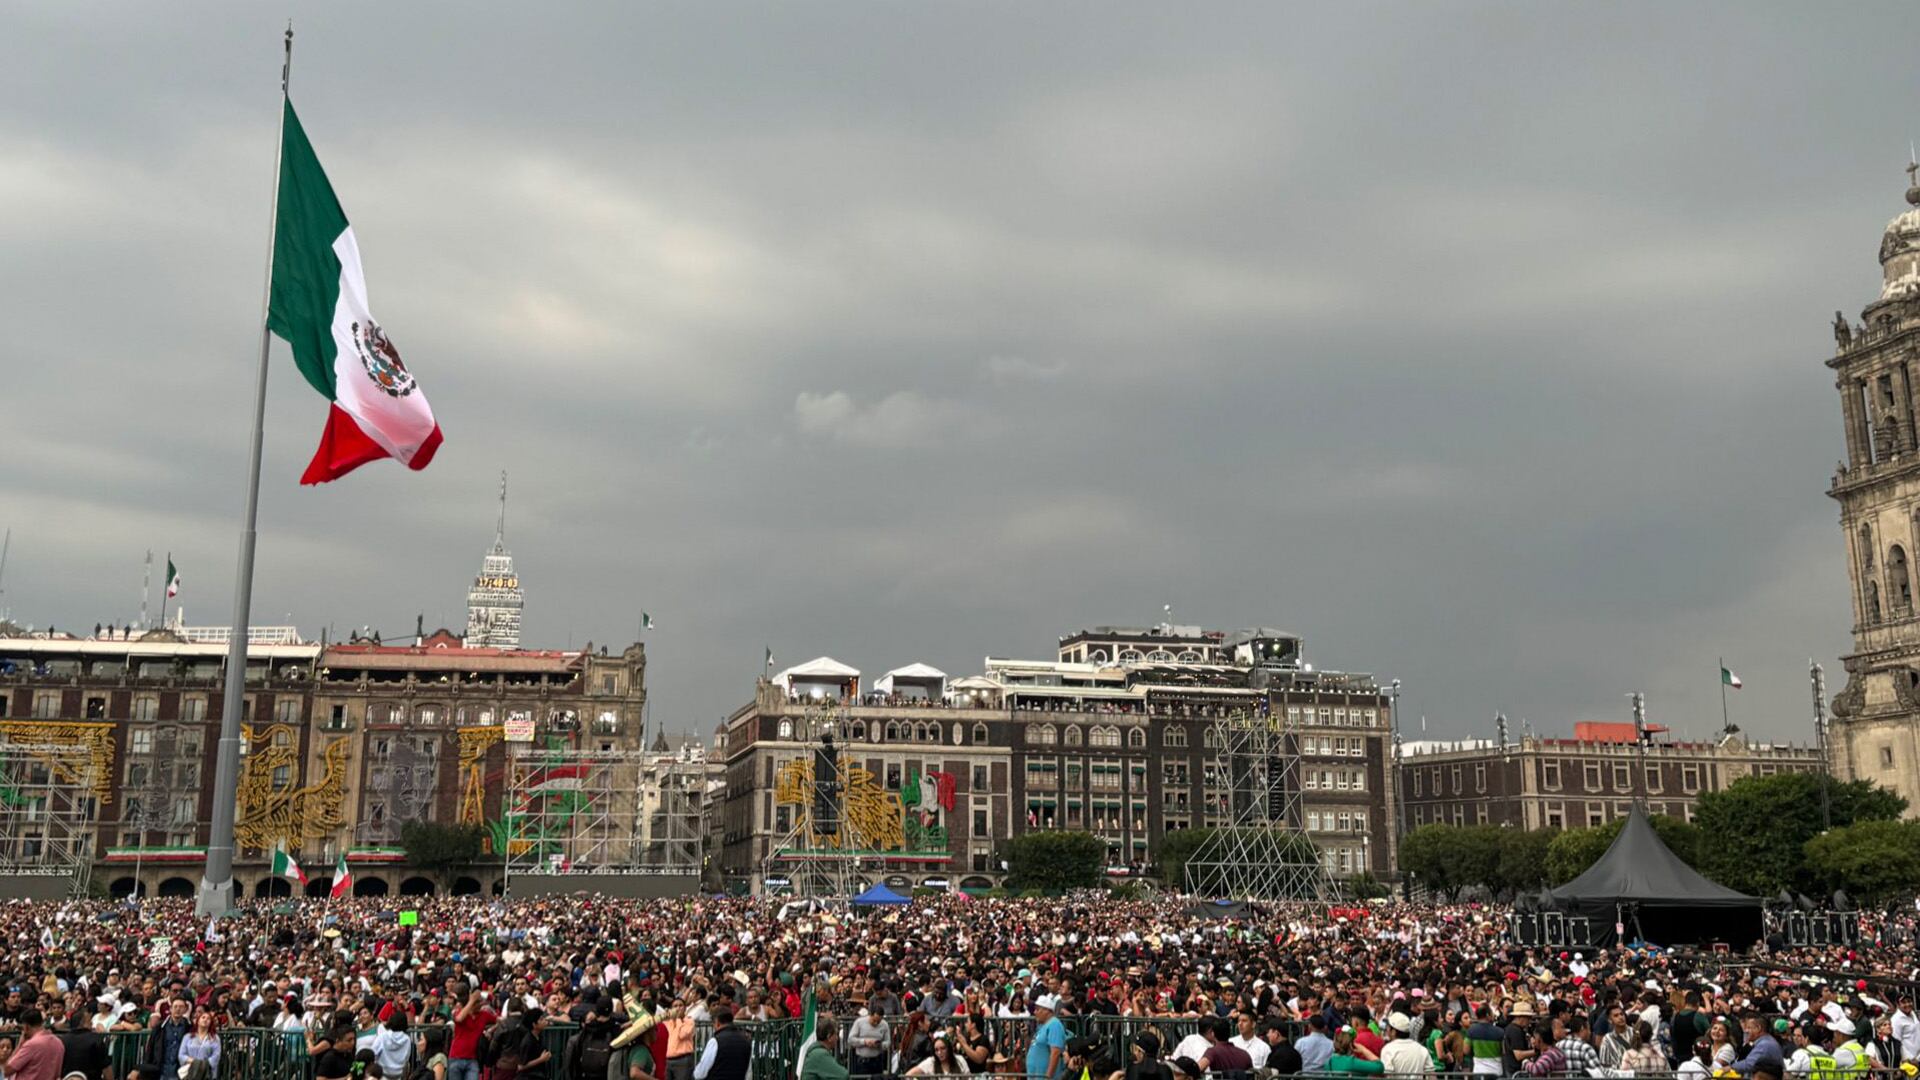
(318, 303)
(284, 866)
(342, 880)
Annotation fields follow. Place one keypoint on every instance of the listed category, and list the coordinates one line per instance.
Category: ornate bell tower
(1876, 730)
(493, 604)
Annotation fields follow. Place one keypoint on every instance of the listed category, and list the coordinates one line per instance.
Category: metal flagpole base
(214, 899)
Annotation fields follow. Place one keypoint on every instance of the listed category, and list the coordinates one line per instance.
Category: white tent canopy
(920, 676)
(818, 669)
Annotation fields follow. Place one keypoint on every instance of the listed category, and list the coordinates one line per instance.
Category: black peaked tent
(1641, 882)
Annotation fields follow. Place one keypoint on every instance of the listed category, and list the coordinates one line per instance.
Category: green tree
(1753, 835)
(1054, 861)
(1873, 860)
(1176, 848)
(1522, 862)
(437, 847)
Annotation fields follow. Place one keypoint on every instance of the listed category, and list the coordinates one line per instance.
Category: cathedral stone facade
(1876, 731)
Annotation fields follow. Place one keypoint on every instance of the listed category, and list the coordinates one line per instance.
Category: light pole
(1399, 803)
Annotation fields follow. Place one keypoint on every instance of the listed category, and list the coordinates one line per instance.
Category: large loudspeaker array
(1550, 928)
(826, 787)
(1803, 928)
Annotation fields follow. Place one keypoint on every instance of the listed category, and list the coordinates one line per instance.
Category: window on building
(980, 735)
(337, 718)
(96, 708)
(979, 823)
(46, 704)
(140, 741)
(1073, 735)
(980, 778)
(1550, 775)
(1596, 815)
(146, 707)
(282, 777)
(1459, 814)
(1174, 735)
(1480, 813)
(1417, 787)
(193, 709)
(1480, 777)
(138, 773)
(893, 777)
(1622, 778)
(1556, 819)
(282, 738)
(1137, 738)
(1690, 778)
(1653, 778)
(1453, 780)
(786, 729)
(1592, 775)
(1359, 780)
(1313, 821)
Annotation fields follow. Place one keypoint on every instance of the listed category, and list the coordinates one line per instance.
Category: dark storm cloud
(1479, 343)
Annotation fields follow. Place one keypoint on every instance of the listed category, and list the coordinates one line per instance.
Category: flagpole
(216, 885)
(1724, 722)
(146, 589)
(166, 587)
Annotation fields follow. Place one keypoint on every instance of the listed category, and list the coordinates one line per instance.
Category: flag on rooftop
(173, 577)
(1728, 678)
(318, 303)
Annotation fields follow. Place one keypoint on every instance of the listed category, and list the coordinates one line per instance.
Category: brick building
(1114, 736)
(342, 743)
(1579, 782)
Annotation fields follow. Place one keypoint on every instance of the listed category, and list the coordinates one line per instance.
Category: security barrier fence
(265, 1054)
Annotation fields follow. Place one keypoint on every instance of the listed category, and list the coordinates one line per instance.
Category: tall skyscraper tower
(494, 602)
(1876, 728)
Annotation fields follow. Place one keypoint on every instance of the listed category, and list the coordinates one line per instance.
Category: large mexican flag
(318, 304)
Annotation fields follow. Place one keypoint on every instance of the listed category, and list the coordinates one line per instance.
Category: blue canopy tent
(880, 894)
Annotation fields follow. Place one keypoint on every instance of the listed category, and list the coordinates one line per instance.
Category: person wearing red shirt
(463, 1058)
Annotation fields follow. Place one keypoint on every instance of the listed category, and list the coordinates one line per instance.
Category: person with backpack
(589, 1054)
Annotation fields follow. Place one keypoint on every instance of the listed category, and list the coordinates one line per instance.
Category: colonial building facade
(341, 745)
(1876, 730)
(1575, 783)
(1115, 737)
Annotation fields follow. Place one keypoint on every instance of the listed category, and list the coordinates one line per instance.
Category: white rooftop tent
(928, 680)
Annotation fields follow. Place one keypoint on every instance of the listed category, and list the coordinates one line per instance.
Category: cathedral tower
(1876, 730)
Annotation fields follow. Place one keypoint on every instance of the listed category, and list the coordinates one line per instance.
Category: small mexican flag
(284, 866)
(1728, 678)
(318, 303)
(173, 577)
(646, 621)
(342, 879)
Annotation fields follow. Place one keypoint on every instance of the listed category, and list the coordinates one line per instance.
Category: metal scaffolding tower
(1261, 853)
(571, 811)
(47, 811)
(819, 854)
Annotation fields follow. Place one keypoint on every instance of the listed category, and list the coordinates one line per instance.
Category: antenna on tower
(500, 530)
(4, 545)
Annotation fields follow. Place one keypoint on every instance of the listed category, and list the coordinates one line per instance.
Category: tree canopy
(1054, 861)
(1755, 831)
(437, 847)
(1873, 861)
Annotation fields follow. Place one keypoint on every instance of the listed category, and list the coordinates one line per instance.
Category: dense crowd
(468, 989)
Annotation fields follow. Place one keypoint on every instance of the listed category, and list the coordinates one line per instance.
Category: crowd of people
(1081, 988)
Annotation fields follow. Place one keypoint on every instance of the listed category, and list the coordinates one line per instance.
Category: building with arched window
(1875, 734)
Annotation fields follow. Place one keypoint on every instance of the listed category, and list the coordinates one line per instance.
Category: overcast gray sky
(1479, 343)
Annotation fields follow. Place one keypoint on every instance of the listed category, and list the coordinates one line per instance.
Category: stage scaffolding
(819, 855)
(48, 807)
(1261, 852)
(568, 811)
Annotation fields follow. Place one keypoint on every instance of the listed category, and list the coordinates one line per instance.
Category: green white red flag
(318, 304)
(284, 866)
(342, 880)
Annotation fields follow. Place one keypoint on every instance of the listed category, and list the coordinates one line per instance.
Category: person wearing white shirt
(1249, 1040)
(1906, 1029)
(1403, 1056)
(1193, 1046)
